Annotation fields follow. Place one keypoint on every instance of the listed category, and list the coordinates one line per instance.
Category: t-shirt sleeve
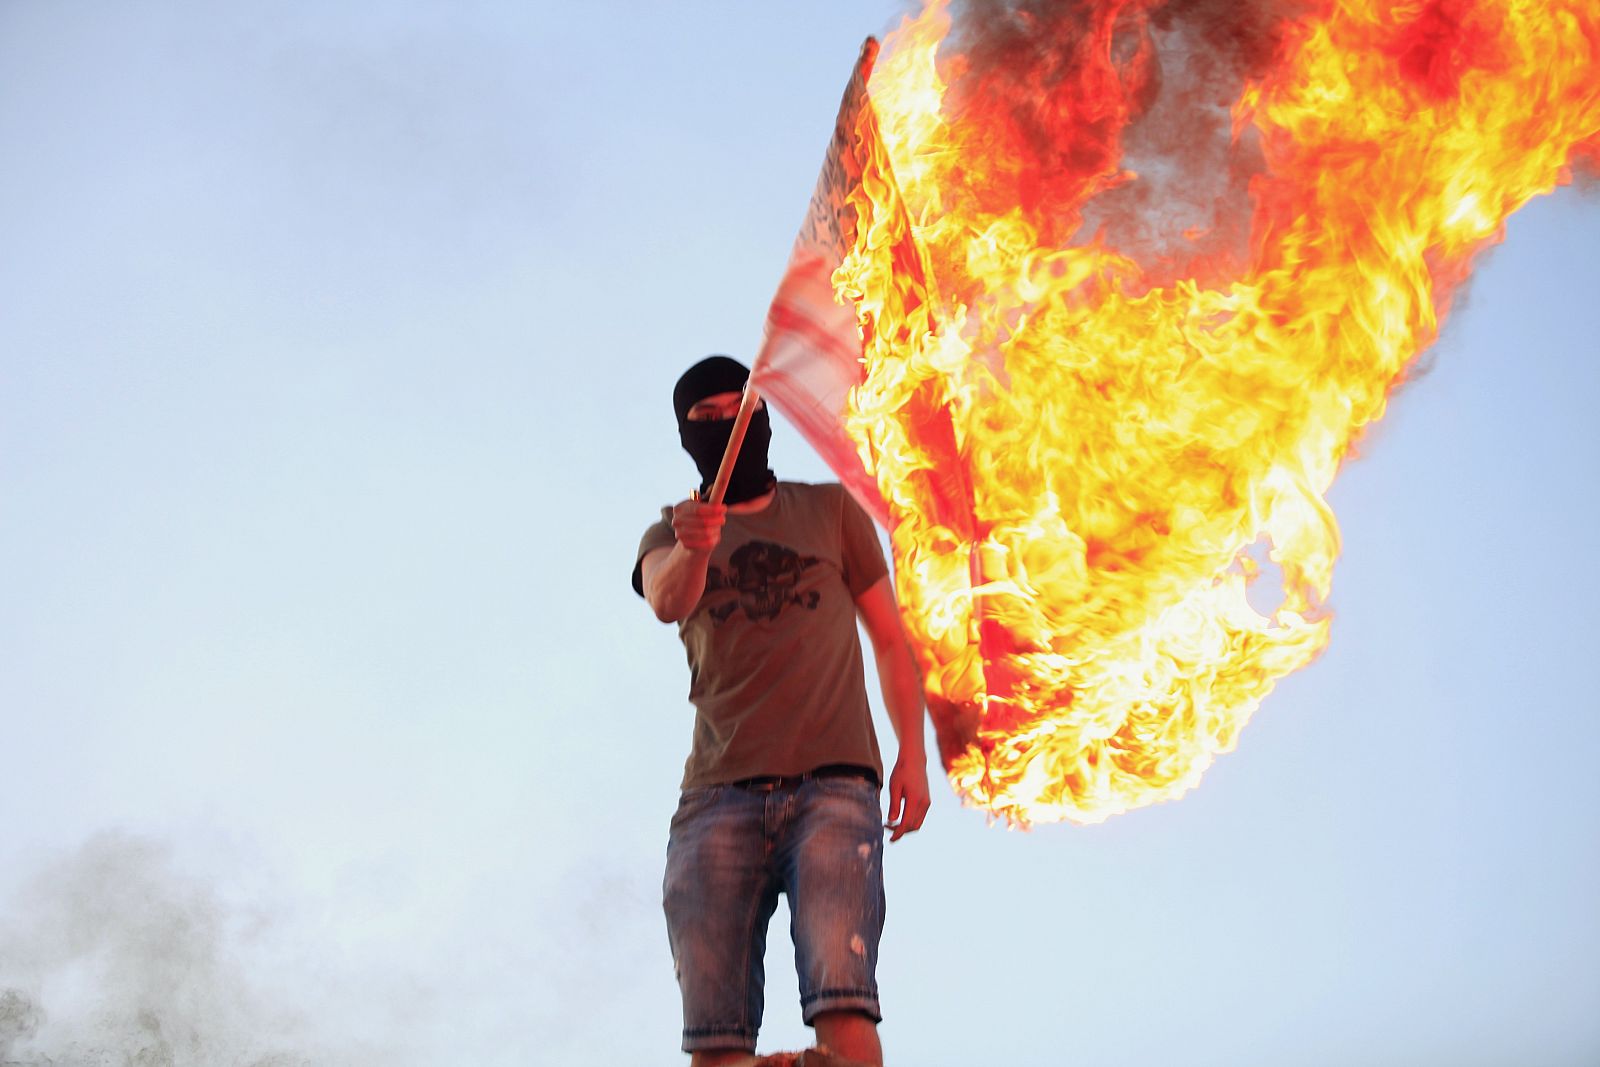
(659, 535)
(861, 553)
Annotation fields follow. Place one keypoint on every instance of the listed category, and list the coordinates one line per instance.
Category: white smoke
(111, 957)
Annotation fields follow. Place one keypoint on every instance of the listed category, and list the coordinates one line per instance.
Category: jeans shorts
(732, 851)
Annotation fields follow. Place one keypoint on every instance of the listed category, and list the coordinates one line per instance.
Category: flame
(1087, 449)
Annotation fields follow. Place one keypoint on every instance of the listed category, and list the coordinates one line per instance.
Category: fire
(1089, 448)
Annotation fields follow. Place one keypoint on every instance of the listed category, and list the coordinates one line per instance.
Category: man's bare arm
(675, 577)
(902, 699)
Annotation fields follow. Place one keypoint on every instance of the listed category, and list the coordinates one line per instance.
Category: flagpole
(741, 422)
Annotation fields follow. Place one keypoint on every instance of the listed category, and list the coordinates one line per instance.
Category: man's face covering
(707, 439)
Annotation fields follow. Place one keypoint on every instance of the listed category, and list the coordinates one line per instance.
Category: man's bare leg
(850, 1034)
(721, 1058)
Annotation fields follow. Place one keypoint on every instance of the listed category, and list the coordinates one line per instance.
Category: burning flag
(1127, 280)
(810, 359)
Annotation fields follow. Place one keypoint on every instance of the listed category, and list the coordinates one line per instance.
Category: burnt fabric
(775, 665)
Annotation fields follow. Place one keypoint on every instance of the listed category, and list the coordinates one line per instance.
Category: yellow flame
(1079, 461)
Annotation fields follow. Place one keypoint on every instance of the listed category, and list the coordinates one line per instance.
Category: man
(781, 787)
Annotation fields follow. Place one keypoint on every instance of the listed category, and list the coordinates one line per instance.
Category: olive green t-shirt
(775, 668)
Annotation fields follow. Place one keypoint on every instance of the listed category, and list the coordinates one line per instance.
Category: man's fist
(697, 524)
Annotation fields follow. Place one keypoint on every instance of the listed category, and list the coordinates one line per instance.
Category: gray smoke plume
(1036, 70)
(110, 957)
(19, 1020)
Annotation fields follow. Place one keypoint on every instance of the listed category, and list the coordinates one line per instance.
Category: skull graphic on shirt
(766, 577)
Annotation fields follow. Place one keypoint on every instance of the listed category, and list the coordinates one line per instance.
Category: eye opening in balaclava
(706, 440)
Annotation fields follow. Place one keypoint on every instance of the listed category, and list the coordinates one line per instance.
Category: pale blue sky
(336, 342)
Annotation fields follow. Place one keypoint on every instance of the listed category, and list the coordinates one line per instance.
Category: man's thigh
(718, 896)
(833, 865)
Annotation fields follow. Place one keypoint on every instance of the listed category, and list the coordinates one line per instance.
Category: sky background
(336, 345)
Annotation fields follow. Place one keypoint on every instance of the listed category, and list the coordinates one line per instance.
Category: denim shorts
(732, 851)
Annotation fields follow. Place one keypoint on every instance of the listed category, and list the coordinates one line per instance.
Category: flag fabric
(810, 356)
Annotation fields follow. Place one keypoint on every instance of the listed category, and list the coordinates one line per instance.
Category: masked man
(781, 788)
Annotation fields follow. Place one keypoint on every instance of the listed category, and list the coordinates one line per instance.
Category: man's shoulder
(817, 491)
(663, 519)
(829, 498)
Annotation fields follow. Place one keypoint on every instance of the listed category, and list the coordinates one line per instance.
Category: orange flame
(1082, 445)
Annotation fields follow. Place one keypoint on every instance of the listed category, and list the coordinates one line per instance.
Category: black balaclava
(706, 440)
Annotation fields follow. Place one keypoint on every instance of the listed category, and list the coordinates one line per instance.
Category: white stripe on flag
(810, 355)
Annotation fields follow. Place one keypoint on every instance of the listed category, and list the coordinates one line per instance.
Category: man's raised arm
(675, 577)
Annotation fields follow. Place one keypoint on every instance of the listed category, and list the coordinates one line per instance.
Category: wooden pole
(741, 422)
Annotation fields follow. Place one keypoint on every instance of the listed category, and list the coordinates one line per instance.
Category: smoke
(1586, 166)
(111, 956)
(123, 953)
(19, 1020)
(1084, 92)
